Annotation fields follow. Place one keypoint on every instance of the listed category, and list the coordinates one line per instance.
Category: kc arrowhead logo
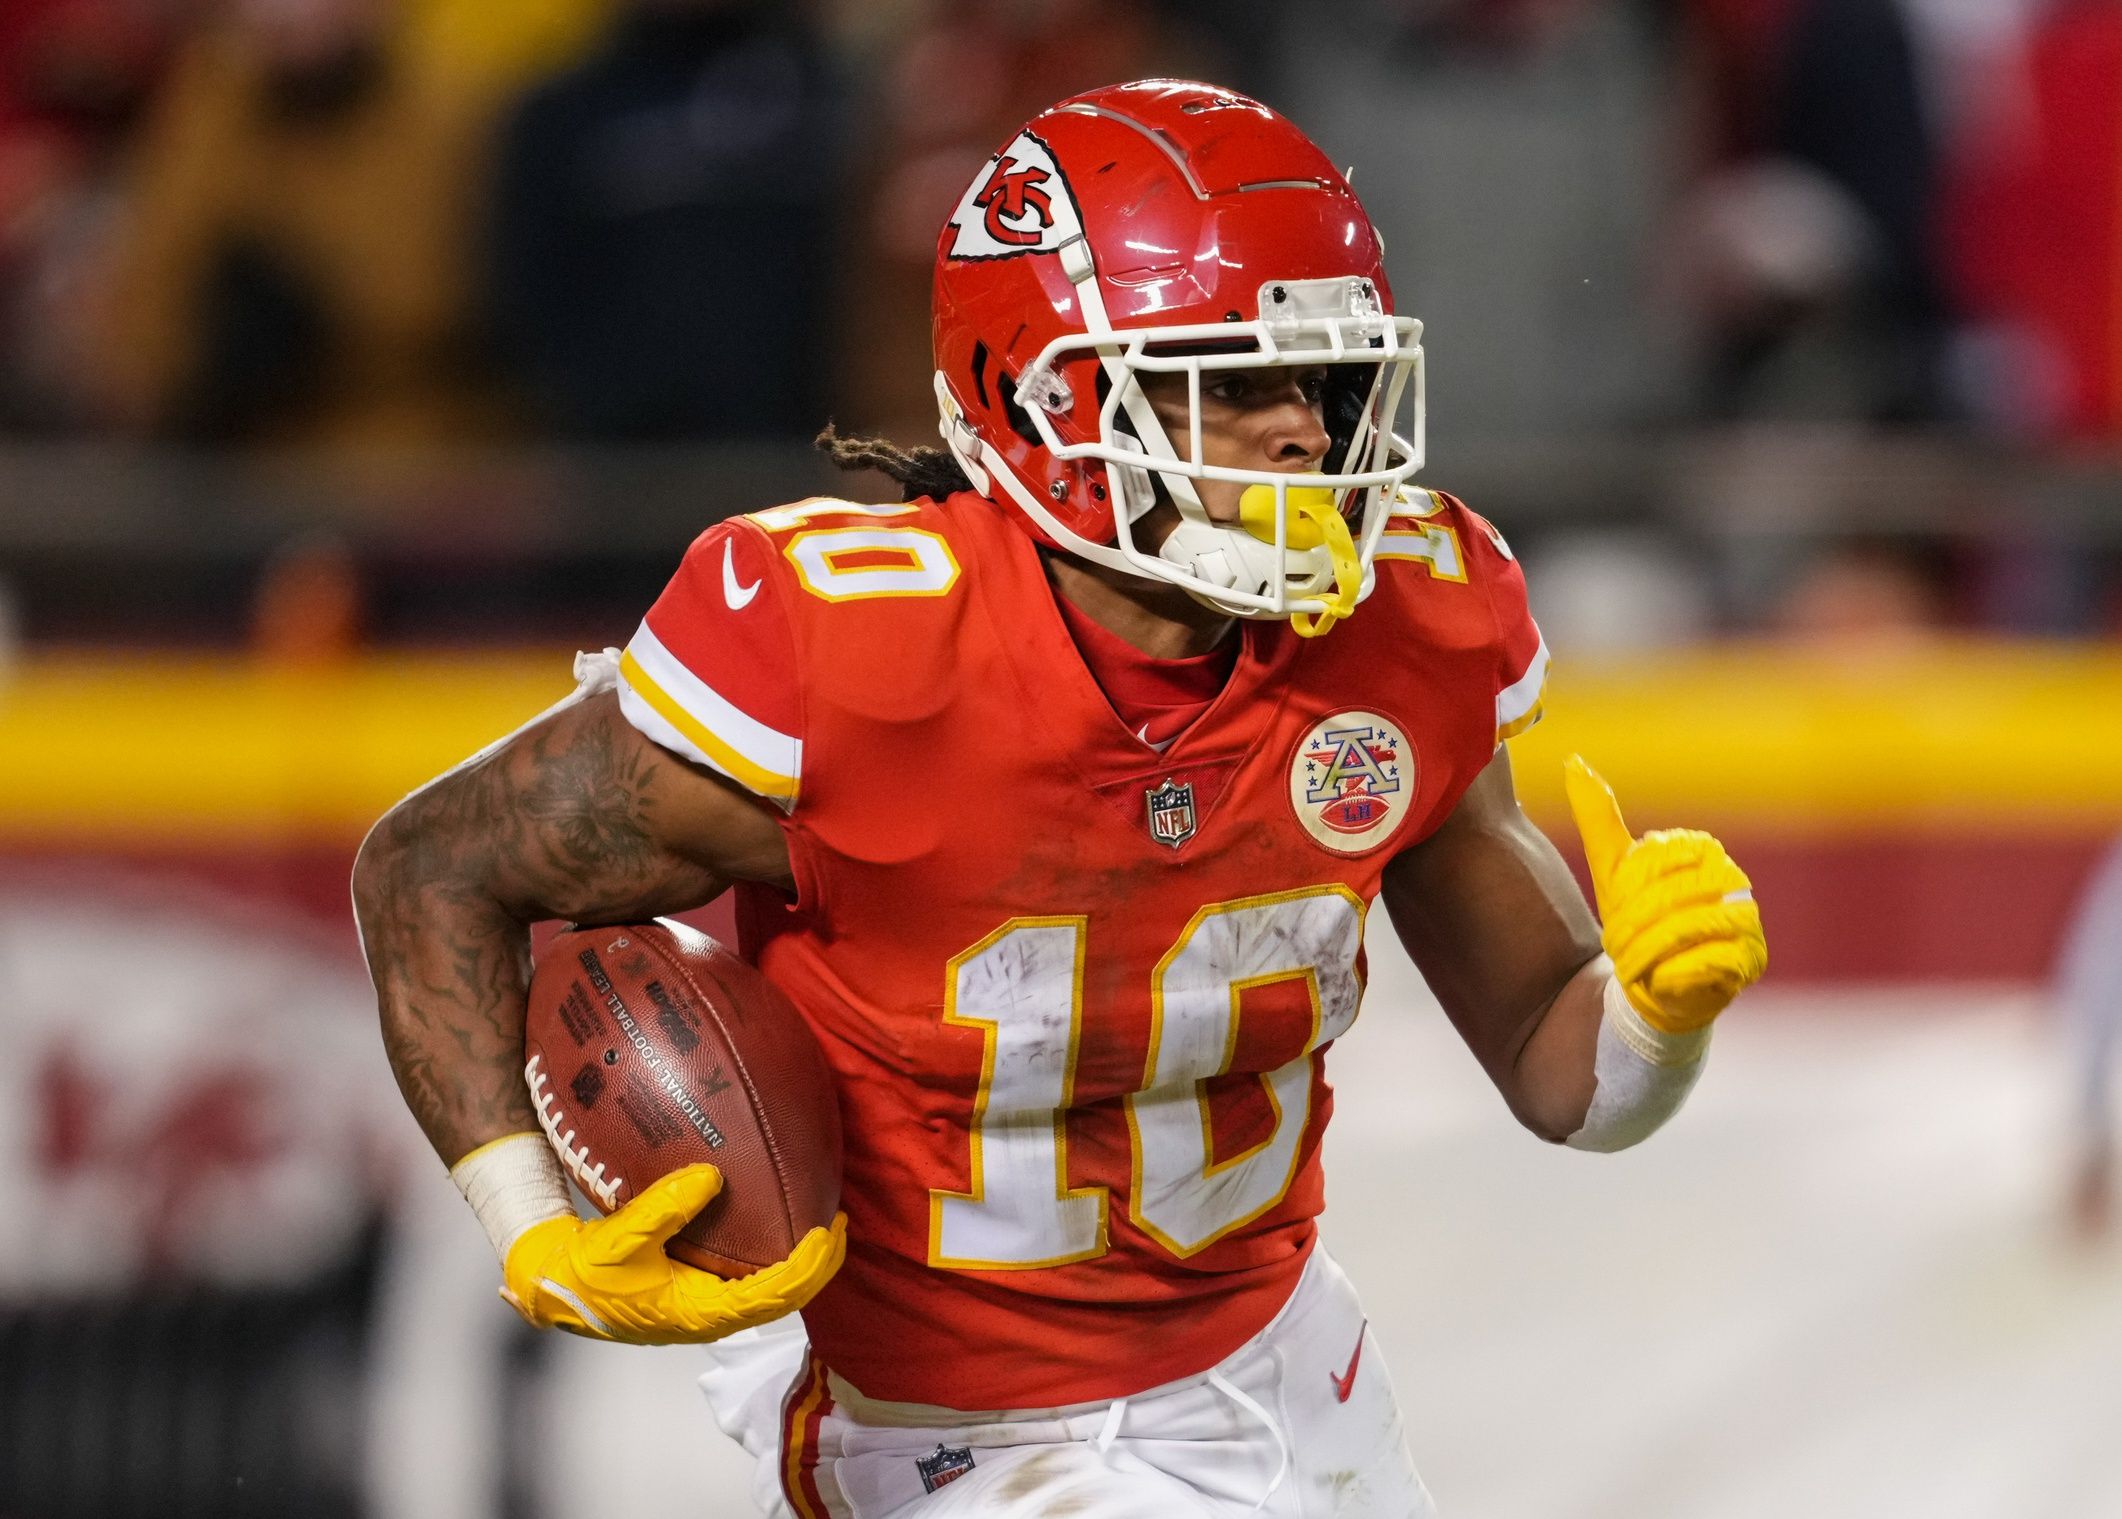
(1018, 204)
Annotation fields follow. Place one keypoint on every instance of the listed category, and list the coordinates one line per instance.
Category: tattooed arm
(578, 816)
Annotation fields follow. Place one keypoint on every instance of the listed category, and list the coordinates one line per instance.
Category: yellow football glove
(608, 1278)
(1679, 917)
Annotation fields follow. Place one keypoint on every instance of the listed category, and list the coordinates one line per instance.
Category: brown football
(651, 1046)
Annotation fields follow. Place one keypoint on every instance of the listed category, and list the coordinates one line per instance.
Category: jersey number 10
(1022, 986)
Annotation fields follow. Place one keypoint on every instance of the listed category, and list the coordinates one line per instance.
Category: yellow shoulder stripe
(718, 753)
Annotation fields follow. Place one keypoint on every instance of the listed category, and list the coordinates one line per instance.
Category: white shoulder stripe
(1518, 704)
(1414, 501)
(678, 709)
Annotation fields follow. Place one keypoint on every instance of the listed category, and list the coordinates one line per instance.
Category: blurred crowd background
(1808, 295)
(361, 358)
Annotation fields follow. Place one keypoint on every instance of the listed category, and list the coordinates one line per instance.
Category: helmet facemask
(1305, 541)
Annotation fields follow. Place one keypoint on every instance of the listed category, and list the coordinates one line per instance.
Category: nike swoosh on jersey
(1345, 1383)
(738, 596)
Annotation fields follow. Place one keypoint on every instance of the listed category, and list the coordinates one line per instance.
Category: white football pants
(1297, 1423)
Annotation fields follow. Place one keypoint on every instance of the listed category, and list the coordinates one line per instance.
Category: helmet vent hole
(1020, 421)
(980, 373)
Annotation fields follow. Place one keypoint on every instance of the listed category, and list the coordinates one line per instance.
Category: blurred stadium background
(360, 359)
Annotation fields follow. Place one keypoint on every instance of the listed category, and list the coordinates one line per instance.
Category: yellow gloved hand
(1679, 918)
(608, 1278)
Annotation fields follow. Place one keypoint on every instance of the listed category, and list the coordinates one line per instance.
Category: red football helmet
(1165, 226)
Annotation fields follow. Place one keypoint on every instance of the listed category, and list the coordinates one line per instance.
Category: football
(650, 1046)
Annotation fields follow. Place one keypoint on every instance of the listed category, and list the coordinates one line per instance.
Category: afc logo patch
(1171, 812)
(1018, 204)
(947, 1465)
(1351, 780)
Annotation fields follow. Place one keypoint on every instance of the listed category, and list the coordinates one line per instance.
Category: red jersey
(1076, 992)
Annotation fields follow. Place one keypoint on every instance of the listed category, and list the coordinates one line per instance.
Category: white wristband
(1643, 1074)
(512, 1183)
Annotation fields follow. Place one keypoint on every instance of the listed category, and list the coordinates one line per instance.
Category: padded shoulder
(1448, 580)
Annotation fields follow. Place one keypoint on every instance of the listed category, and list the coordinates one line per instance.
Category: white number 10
(1022, 986)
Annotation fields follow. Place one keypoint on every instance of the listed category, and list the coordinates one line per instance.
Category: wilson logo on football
(1018, 204)
(1351, 780)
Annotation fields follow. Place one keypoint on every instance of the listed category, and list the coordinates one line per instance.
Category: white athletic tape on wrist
(1643, 1074)
(512, 1183)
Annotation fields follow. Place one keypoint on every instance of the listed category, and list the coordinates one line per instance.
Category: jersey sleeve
(1521, 669)
(1520, 672)
(711, 672)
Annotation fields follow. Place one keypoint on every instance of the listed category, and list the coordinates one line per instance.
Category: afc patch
(1171, 812)
(947, 1465)
(1351, 781)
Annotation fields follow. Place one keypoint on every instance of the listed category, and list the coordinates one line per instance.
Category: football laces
(551, 1118)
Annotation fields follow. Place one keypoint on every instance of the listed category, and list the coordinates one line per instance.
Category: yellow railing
(1970, 736)
(150, 751)
(176, 751)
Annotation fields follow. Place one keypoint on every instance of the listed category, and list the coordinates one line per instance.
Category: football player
(1056, 796)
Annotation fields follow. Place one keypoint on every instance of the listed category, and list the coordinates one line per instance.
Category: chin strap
(1313, 523)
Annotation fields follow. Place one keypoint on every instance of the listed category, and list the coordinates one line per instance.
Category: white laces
(1116, 1414)
(1231, 1390)
(1109, 1431)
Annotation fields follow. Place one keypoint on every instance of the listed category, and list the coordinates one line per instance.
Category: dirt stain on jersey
(1035, 1473)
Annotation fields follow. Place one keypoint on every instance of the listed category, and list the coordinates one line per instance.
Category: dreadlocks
(922, 471)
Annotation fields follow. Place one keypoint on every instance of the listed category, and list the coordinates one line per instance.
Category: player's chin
(1155, 525)
(1219, 499)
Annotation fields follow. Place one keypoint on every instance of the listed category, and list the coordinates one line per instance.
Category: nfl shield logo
(1171, 813)
(947, 1465)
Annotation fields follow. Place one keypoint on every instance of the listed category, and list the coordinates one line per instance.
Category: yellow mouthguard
(1314, 522)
